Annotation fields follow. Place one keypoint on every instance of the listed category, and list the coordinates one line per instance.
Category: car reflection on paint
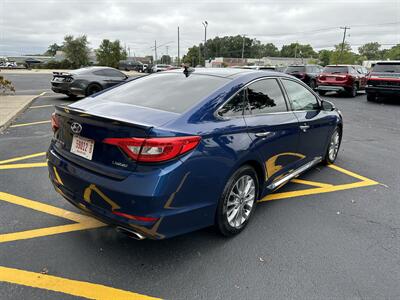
(177, 151)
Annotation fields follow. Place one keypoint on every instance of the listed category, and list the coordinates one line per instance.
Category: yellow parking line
(41, 106)
(22, 157)
(66, 286)
(29, 124)
(41, 207)
(347, 172)
(23, 166)
(312, 183)
(41, 232)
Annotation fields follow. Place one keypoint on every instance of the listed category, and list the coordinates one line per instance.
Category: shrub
(6, 85)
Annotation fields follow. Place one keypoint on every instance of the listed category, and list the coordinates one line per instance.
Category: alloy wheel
(334, 145)
(240, 201)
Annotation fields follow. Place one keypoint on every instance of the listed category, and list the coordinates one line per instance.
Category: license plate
(82, 146)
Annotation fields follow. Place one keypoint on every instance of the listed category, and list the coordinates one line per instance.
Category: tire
(353, 90)
(371, 97)
(313, 84)
(234, 212)
(333, 147)
(72, 96)
(92, 89)
(322, 93)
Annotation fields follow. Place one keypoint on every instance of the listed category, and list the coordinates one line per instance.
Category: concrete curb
(20, 110)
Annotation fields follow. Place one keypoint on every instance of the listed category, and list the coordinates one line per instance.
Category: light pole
(205, 24)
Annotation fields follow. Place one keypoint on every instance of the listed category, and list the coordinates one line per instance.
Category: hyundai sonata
(177, 151)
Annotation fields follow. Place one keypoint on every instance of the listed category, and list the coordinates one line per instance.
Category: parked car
(86, 81)
(130, 65)
(342, 79)
(160, 67)
(261, 68)
(383, 80)
(175, 151)
(306, 73)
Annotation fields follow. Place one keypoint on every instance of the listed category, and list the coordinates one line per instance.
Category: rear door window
(265, 96)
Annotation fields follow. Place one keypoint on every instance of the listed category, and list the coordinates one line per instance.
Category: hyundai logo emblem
(76, 128)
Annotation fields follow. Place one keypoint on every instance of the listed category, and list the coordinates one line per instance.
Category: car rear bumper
(329, 88)
(378, 90)
(144, 194)
(66, 88)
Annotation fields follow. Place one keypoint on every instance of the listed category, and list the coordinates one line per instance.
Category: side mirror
(327, 106)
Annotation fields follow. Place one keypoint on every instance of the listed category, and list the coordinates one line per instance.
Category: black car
(306, 73)
(86, 81)
(384, 80)
(131, 65)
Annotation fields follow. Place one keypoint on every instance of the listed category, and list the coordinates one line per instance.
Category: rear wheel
(353, 90)
(313, 84)
(333, 147)
(371, 97)
(92, 89)
(237, 202)
(322, 93)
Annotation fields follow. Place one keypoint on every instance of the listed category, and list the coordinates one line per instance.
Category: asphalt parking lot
(332, 233)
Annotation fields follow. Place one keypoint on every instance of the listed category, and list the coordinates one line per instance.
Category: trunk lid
(105, 120)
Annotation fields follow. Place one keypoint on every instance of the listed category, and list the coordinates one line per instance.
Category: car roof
(231, 73)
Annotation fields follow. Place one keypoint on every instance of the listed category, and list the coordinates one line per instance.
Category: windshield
(295, 69)
(336, 69)
(392, 68)
(173, 92)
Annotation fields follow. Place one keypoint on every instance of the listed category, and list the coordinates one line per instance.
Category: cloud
(30, 26)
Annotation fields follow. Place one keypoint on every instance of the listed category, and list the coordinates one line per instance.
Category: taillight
(54, 122)
(155, 149)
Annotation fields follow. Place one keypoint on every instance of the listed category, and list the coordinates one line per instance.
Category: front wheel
(237, 202)
(371, 97)
(333, 147)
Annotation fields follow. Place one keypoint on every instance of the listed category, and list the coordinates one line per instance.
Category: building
(220, 62)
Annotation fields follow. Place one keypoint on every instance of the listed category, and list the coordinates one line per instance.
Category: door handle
(304, 127)
(263, 134)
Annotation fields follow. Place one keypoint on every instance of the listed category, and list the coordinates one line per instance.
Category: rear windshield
(392, 68)
(336, 69)
(173, 92)
(294, 69)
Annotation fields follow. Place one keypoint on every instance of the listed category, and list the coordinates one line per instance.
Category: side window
(300, 97)
(265, 96)
(113, 73)
(233, 107)
(99, 73)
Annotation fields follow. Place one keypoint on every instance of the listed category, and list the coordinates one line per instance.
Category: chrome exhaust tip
(130, 233)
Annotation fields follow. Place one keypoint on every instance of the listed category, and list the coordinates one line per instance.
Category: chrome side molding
(295, 173)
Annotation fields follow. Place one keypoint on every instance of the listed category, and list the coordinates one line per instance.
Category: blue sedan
(177, 151)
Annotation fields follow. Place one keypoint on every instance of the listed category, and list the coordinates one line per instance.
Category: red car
(342, 79)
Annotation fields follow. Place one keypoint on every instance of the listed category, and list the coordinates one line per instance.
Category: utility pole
(155, 52)
(205, 24)
(244, 36)
(178, 49)
(344, 38)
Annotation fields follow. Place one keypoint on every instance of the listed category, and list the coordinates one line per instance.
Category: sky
(28, 27)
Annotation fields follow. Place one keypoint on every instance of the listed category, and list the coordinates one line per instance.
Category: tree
(166, 59)
(370, 50)
(76, 50)
(297, 50)
(192, 56)
(110, 53)
(52, 50)
(345, 57)
(393, 53)
(324, 57)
